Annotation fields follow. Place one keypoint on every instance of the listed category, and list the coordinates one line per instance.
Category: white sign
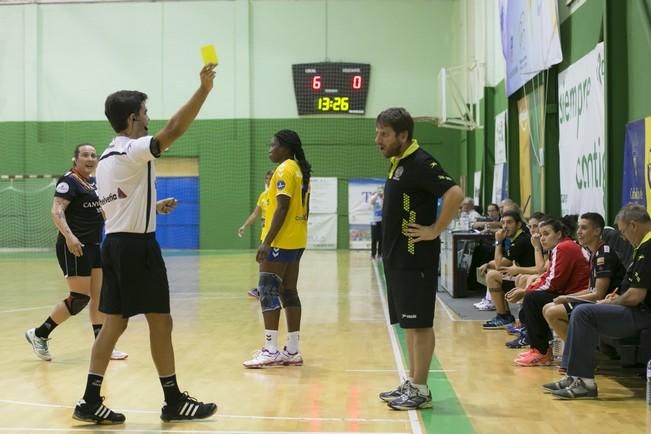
(360, 211)
(582, 146)
(477, 187)
(530, 39)
(322, 231)
(499, 177)
(360, 191)
(323, 195)
(500, 138)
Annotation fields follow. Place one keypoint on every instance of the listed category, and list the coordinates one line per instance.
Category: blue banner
(633, 185)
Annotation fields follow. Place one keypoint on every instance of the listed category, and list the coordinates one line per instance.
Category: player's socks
(292, 342)
(46, 328)
(93, 386)
(271, 341)
(170, 389)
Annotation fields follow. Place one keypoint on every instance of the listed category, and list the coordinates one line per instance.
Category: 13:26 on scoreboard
(331, 87)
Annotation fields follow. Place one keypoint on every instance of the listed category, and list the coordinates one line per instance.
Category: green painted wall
(232, 162)
(481, 142)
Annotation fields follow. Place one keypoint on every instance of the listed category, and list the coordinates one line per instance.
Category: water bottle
(648, 383)
(464, 222)
(557, 347)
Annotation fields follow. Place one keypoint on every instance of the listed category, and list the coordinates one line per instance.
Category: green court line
(447, 414)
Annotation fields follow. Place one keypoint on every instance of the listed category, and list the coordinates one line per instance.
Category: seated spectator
(468, 211)
(620, 315)
(606, 273)
(512, 247)
(524, 276)
(486, 303)
(492, 216)
(568, 272)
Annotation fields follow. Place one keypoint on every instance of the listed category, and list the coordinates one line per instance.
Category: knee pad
(289, 298)
(268, 287)
(76, 302)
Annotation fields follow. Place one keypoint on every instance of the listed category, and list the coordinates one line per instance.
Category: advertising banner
(360, 210)
(582, 146)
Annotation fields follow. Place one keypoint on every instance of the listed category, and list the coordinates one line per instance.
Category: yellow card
(209, 55)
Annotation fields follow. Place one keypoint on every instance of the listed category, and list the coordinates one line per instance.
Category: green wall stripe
(232, 161)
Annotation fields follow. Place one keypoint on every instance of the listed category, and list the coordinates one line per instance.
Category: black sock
(505, 315)
(96, 329)
(46, 328)
(93, 385)
(170, 389)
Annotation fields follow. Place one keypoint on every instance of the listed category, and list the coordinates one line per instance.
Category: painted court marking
(94, 428)
(413, 416)
(219, 416)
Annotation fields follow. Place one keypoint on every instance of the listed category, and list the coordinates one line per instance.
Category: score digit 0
(357, 82)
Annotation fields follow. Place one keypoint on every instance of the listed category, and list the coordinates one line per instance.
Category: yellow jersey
(263, 203)
(288, 180)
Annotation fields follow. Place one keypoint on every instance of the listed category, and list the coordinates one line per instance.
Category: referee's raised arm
(180, 122)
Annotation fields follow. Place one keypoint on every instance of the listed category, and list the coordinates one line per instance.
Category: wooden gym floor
(350, 355)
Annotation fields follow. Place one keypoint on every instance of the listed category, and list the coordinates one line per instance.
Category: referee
(135, 278)
(410, 246)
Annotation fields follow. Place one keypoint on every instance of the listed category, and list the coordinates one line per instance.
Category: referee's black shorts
(135, 277)
(82, 266)
(412, 297)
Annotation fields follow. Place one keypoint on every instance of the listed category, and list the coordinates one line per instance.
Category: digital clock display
(331, 87)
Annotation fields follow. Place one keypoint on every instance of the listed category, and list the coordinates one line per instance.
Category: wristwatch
(497, 243)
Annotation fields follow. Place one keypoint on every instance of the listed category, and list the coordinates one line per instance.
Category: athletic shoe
(499, 322)
(515, 329)
(291, 359)
(563, 383)
(395, 393)
(481, 303)
(186, 409)
(519, 342)
(525, 353)
(96, 413)
(411, 399)
(253, 292)
(535, 358)
(118, 355)
(263, 359)
(39, 345)
(577, 390)
(487, 306)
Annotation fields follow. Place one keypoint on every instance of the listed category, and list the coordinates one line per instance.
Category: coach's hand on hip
(421, 233)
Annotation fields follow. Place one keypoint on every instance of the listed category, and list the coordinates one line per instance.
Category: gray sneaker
(563, 383)
(395, 393)
(39, 345)
(576, 390)
(411, 399)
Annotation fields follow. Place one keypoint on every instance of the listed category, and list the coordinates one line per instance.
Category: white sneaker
(39, 345)
(118, 355)
(487, 306)
(263, 359)
(291, 359)
(480, 303)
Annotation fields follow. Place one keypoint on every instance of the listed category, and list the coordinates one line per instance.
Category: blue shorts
(276, 254)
